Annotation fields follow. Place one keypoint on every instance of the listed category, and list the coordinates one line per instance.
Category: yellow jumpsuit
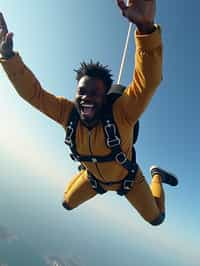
(149, 201)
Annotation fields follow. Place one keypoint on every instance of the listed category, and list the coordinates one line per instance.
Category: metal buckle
(94, 160)
(113, 142)
(121, 160)
(127, 184)
(81, 167)
(112, 138)
(68, 141)
(73, 157)
(93, 183)
(69, 133)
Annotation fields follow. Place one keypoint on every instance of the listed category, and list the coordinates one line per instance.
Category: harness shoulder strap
(136, 131)
(71, 130)
(114, 93)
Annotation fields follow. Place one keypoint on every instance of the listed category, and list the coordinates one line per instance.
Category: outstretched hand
(6, 39)
(139, 12)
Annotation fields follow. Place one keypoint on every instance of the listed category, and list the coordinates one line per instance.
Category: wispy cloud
(21, 146)
(54, 261)
(169, 242)
(6, 235)
(59, 261)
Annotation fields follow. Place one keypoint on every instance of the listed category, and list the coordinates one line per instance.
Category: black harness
(112, 139)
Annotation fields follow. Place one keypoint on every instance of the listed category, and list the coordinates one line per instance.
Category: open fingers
(9, 41)
(3, 26)
(121, 5)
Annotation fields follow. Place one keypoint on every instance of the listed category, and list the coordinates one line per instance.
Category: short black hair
(95, 70)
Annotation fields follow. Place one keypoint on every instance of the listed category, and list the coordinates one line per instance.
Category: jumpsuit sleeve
(29, 88)
(146, 77)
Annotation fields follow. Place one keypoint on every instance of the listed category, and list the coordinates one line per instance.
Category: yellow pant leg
(78, 190)
(158, 192)
(142, 199)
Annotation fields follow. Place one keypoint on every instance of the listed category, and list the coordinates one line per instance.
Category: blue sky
(52, 39)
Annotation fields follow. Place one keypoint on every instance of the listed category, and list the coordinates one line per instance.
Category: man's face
(89, 100)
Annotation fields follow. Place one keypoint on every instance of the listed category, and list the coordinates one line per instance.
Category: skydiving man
(99, 131)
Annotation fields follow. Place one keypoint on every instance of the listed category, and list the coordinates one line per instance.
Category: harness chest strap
(113, 143)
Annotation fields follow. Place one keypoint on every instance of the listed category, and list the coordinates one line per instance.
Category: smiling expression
(89, 100)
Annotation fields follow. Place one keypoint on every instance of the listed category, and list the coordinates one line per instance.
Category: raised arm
(139, 12)
(148, 59)
(26, 84)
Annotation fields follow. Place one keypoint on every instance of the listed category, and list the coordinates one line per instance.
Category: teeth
(87, 105)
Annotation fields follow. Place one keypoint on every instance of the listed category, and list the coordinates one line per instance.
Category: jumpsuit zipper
(90, 148)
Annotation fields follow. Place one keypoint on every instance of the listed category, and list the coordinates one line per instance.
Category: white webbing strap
(125, 51)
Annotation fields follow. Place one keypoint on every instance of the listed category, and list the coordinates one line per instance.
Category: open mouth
(87, 110)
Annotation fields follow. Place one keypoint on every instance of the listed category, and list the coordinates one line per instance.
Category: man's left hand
(139, 12)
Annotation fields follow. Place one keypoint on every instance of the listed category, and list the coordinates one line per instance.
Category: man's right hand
(6, 39)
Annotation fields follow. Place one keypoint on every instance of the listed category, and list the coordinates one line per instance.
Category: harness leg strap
(128, 181)
(95, 184)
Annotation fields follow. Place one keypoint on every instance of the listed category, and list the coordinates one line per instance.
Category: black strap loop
(95, 184)
(112, 140)
(69, 134)
(126, 183)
